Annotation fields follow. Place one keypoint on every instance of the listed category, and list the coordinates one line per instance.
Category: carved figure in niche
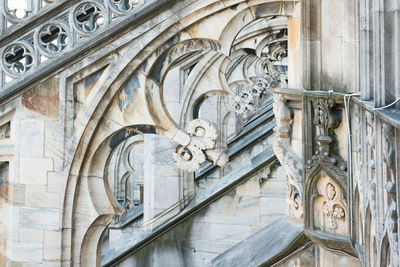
(330, 213)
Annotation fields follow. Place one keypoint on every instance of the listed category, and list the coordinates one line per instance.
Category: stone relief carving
(288, 158)
(246, 99)
(325, 122)
(388, 151)
(330, 209)
(333, 212)
(391, 216)
(268, 76)
(199, 147)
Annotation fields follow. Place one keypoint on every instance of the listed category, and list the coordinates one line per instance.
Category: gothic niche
(125, 174)
(330, 212)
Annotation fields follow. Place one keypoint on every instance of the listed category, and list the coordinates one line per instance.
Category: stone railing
(43, 34)
(375, 179)
(342, 159)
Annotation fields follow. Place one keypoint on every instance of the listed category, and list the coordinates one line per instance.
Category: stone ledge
(265, 247)
(201, 200)
(130, 216)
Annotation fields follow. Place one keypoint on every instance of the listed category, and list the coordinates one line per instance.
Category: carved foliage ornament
(332, 209)
(245, 100)
(201, 147)
(325, 121)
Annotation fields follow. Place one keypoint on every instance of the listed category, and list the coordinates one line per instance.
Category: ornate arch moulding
(315, 152)
(81, 233)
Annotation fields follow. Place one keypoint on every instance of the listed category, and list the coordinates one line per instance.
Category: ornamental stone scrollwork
(247, 94)
(198, 146)
(11, 13)
(246, 99)
(52, 38)
(17, 59)
(47, 42)
(325, 122)
(334, 163)
(331, 210)
(88, 17)
(120, 7)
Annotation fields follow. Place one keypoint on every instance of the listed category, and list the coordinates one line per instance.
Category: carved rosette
(198, 147)
(245, 100)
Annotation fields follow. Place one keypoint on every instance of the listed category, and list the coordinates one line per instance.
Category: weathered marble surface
(219, 221)
(157, 70)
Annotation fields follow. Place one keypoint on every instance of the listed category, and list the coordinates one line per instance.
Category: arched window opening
(125, 174)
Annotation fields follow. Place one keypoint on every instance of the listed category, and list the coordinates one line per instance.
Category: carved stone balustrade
(47, 34)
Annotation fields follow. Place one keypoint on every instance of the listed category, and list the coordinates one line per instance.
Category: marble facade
(199, 133)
